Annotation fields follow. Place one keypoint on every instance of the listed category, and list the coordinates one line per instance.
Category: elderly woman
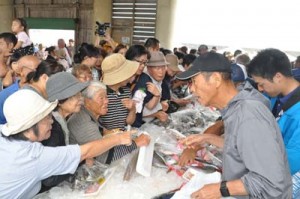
(27, 161)
(65, 88)
(84, 126)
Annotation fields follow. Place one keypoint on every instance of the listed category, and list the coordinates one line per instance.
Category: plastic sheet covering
(195, 119)
(138, 187)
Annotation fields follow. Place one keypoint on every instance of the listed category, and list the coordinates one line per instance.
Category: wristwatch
(224, 190)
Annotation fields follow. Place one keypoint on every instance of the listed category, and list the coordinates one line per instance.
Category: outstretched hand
(125, 137)
(142, 140)
(193, 141)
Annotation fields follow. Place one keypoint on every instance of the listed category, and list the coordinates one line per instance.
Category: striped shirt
(117, 113)
(116, 119)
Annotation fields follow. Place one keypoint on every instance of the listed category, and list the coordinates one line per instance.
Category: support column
(6, 14)
(102, 11)
(165, 22)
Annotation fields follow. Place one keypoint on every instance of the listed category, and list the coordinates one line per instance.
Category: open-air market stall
(154, 170)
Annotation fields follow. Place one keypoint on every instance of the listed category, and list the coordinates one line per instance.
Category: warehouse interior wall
(103, 12)
(165, 22)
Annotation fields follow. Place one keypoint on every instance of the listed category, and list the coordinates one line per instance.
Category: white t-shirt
(22, 36)
(158, 106)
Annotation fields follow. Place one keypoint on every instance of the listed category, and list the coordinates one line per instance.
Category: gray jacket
(253, 148)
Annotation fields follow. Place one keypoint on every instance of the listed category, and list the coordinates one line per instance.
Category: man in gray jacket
(254, 159)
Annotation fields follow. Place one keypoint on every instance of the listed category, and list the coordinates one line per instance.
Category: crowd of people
(71, 107)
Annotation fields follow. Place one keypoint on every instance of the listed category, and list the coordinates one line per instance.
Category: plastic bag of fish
(89, 179)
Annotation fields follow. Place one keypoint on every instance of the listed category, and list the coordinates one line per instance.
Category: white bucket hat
(23, 109)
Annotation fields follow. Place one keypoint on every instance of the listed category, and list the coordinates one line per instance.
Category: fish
(168, 160)
(131, 167)
(203, 164)
(158, 161)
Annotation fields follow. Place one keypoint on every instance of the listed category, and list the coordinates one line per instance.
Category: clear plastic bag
(89, 179)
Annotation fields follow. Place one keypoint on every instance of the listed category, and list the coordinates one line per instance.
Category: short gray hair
(93, 87)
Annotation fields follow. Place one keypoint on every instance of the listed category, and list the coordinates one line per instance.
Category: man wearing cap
(25, 162)
(151, 84)
(117, 73)
(254, 159)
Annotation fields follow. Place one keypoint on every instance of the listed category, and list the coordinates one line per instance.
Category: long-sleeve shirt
(253, 148)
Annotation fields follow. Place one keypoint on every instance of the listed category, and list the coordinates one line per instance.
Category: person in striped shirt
(117, 73)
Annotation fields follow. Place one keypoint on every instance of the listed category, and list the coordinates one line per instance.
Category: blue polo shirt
(4, 94)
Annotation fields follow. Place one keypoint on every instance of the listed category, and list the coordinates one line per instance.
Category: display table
(194, 119)
(138, 187)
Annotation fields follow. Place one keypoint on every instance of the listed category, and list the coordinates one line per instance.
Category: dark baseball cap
(210, 62)
(237, 73)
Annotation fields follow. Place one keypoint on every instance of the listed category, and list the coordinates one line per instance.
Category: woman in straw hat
(117, 73)
(27, 161)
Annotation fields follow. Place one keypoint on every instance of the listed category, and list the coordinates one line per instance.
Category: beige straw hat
(116, 69)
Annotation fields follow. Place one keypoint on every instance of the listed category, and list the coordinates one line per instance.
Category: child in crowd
(11, 74)
(24, 44)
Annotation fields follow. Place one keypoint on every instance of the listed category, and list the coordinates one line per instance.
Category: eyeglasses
(142, 62)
